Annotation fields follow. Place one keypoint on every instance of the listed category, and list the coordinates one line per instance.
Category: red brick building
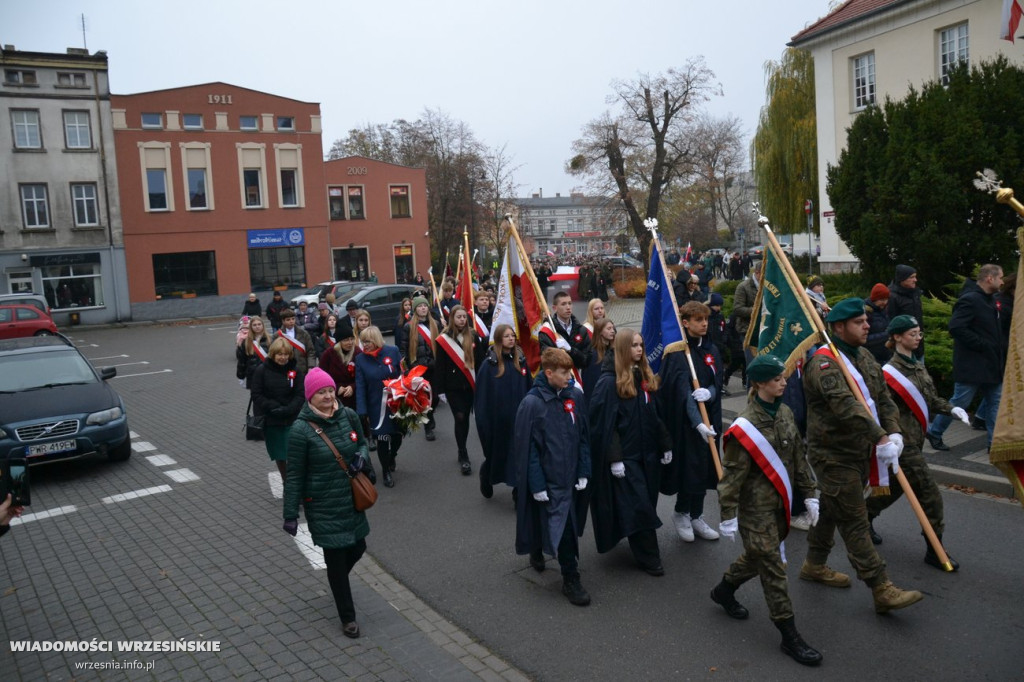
(378, 219)
(222, 192)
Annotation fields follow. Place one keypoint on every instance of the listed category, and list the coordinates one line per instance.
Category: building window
(26, 129)
(283, 266)
(73, 286)
(289, 187)
(20, 77)
(152, 120)
(192, 121)
(251, 181)
(35, 209)
(197, 188)
(400, 201)
(83, 196)
(185, 274)
(953, 49)
(77, 134)
(286, 123)
(71, 80)
(863, 80)
(355, 203)
(336, 202)
(252, 174)
(156, 189)
(248, 123)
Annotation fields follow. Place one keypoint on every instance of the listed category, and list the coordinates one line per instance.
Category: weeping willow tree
(784, 154)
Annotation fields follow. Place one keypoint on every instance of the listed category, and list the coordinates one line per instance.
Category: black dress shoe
(350, 630)
(388, 481)
(430, 434)
(937, 443)
(486, 489)
(537, 560)
(876, 539)
(978, 424)
(932, 559)
(467, 469)
(656, 570)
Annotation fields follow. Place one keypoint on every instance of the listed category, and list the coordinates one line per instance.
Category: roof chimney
(541, 192)
(558, 195)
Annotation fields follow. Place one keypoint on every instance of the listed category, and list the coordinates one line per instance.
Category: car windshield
(29, 372)
(315, 291)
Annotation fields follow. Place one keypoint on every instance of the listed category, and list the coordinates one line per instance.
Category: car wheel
(122, 452)
(43, 332)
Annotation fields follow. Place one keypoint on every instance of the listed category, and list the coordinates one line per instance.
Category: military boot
(888, 597)
(820, 573)
(573, 590)
(724, 594)
(932, 559)
(794, 645)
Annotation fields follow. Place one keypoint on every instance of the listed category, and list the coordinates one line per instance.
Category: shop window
(404, 263)
(282, 266)
(73, 286)
(400, 201)
(20, 281)
(351, 263)
(186, 274)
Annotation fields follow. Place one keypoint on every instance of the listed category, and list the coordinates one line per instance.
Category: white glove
(729, 528)
(898, 439)
(542, 496)
(563, 344)
(888, 455)
(618, 470)
(961, 414)
(581, 484)
(812, 510)
(705, 430)
(443, 398)
(241, 382)
(667, 457)
(701, 395)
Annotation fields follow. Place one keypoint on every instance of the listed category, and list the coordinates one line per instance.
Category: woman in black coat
(252, 307)
(604, 336)
(251, 353)
(277, 395)
(375, 365)
(502, 381)
(455, 376)
(417, 350)
(628, 446)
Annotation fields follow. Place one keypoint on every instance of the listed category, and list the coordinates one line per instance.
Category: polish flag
(515, 284)
(1011, 18)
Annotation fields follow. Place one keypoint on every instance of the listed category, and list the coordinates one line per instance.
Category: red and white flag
(689, 252)
(1011, 19)
(515, 285)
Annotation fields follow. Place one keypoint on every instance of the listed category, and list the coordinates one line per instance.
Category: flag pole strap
(652, 225)
(908, 492)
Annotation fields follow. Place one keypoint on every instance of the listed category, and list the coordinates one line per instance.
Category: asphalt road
(208, 558)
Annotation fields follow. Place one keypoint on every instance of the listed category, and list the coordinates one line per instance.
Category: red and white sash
(590, 330)
(258, 350)
(878, 476)
(905, 389)
(762, 452)
(424, 331)
(457, 355)
(550, 332)
(294, 343)
(480, 327)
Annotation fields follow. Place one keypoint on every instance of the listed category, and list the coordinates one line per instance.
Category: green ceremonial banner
(781, 324)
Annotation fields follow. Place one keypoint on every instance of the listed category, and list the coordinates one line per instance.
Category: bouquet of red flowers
(408, 399)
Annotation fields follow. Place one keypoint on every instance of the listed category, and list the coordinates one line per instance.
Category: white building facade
(572, 225)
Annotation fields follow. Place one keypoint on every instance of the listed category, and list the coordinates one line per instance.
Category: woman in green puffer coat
(315, 478)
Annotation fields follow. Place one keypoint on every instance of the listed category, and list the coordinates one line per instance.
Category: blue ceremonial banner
(661, 319)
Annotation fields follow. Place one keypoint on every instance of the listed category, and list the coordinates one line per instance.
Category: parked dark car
(54, 405)
(382, 301)
(623, 261)
(24, 320)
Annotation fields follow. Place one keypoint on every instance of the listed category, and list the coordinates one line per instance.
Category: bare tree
(648, 144)
(499, 191)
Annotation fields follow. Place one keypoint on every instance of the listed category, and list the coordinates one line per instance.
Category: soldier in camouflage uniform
(902, 369)
(763, 510)
(840, 437)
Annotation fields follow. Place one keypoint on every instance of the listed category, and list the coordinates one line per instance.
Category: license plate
(50, 448)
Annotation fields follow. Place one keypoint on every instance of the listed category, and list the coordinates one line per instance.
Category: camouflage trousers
(843, 509)
(915, 468)
(760, 532)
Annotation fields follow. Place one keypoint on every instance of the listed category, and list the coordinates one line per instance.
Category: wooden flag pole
(652, 225)
(908, 492)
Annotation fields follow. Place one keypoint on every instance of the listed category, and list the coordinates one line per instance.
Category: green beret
(902, 323)
(765, 367)
(418, 301)
(846, 309)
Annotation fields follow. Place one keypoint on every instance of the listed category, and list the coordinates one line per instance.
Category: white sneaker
(683, 526)
(802, 522)
(702, 529)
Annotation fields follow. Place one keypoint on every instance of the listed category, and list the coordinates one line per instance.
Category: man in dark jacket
(905, 299)
(568, 334)
(274, 310)
(979, 353)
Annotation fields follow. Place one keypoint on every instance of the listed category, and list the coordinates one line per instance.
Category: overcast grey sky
(528, 74)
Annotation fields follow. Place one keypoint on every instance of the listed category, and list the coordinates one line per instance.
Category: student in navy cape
(628, 445)
(502, 381)
(692, 473)
(552, 454)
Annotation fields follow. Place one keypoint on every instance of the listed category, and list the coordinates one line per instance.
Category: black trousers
(387, 450)
(644, 544)
(339, 564)
(690, 504)
(461, 403)
(568, 551)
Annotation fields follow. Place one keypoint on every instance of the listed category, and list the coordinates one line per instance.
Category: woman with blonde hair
(251, 353)
(455, 376)
(375, 365)
(363, 321)
(277, 394)
(595, 312)
(417, 345)
(628, 445)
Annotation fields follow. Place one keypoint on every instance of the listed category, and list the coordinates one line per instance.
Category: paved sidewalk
(966, 464)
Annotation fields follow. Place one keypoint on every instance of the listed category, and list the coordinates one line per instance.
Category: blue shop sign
(288, 236)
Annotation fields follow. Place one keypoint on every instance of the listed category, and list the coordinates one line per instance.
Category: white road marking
(160, 460)
(214, 329)
(133, 434)
(136, 493)
(276, 486)
(25, 518)
(142, 374)
(109, 357)
(182, 475)
(143, 446)
(314, 554)
(125, 364)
